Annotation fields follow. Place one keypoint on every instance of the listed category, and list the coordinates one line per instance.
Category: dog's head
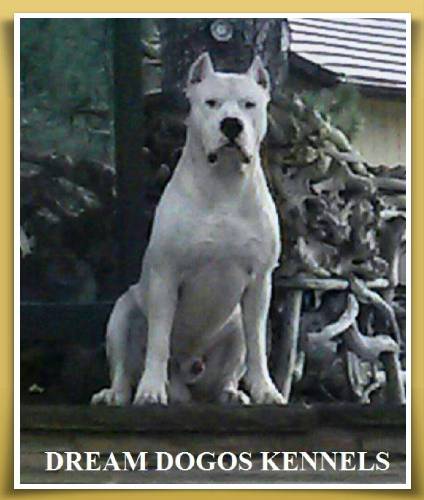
(227, 110)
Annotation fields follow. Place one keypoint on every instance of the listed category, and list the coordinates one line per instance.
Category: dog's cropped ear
(258, 72)
(200, 69)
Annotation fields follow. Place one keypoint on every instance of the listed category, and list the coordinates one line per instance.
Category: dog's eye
(212, 103)
(249, 104)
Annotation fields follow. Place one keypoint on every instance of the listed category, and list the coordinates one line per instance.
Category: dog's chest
(249, 239)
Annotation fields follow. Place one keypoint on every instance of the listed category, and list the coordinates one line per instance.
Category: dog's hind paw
(266, 394)
(110, 397)
(234, 396)
(270, 398)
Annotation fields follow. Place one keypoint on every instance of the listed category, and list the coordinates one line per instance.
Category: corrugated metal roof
(363, 51)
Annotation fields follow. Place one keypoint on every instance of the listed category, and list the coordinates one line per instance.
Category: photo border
(196, 486)
(416, 8)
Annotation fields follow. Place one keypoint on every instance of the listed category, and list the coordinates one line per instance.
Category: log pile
(341, 219)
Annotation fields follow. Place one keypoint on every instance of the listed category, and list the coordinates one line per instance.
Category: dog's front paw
(264, 392)
(111, 397)
(150, 393)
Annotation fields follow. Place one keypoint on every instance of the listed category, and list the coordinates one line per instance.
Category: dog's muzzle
(231, 128)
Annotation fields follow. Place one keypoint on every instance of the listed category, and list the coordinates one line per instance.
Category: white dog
(205, 286)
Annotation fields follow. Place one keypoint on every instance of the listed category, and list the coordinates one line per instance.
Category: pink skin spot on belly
(197, 367)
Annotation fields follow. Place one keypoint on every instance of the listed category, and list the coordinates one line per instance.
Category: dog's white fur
(205, 285)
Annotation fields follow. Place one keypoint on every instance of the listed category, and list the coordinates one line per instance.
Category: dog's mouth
(232, 146)
(212, 158)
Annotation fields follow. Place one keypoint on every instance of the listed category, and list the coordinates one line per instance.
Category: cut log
(367, 296)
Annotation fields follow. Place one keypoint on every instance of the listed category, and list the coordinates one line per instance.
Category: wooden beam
(132, 213)
(287, 350)
(209, 418)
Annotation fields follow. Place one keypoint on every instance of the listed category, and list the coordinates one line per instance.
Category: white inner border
(16, 218)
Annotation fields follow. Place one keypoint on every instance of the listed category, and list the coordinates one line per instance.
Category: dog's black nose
(231, 127)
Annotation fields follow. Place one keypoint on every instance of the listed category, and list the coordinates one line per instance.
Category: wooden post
(394, 390)
(287, 346)
(132, 213)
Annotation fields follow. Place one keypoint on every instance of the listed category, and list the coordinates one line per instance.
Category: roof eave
(328, 79)
(322, 75)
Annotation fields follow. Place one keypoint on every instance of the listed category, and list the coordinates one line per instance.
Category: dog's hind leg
(124, 349)
(231, 367)
(224, 366)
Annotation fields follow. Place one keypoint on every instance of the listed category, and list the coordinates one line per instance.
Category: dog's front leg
(161, 305)
(255, 306)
